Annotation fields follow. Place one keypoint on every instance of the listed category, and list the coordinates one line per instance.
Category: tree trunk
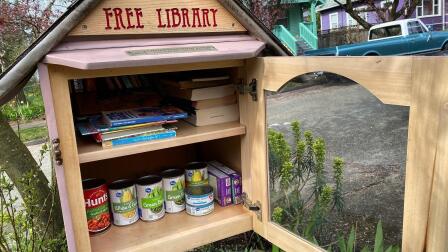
(16, 160)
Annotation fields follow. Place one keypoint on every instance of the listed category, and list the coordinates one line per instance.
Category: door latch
(252, 206)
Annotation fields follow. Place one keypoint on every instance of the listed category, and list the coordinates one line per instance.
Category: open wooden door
(364, 152)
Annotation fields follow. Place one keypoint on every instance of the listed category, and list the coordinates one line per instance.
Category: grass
(31, 134)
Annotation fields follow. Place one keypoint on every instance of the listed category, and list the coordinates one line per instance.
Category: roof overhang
(91, 55)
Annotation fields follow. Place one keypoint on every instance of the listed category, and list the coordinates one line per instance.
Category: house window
(351, 21)
(334, 21)
(428, 8)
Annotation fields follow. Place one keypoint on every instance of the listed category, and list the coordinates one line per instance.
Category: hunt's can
(199, 195)
(97, 205)
(124, 202)
(150, 198)
(173, 188)
(196, 174)
(200, 210)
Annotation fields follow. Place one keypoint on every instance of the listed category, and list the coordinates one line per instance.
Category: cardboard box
(222, 186)
(236, 187)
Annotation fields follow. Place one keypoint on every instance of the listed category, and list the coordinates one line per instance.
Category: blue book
(143, 115)
(139, 139)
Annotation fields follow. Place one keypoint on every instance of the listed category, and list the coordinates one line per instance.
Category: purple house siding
(372, 17)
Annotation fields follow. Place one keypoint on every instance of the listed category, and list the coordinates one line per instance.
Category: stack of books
(115, 128)
(208, 100)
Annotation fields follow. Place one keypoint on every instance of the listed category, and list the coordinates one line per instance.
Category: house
(332, 16)
(299, 34)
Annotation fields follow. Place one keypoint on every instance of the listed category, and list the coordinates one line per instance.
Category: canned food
(200, 210)
(124, 202)
(199, 195)
(150, 198)
(196, 174)
(173, 187)
(97, 205)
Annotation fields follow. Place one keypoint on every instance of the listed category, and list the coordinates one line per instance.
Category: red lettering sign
(132, 18)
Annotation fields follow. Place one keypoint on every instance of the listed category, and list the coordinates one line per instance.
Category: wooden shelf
(88, 151)
(175, 232)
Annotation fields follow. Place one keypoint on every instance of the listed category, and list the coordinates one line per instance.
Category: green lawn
(33, 134)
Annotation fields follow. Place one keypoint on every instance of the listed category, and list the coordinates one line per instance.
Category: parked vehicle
(401, 37)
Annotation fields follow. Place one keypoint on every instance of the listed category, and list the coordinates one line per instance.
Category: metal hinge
(57, 151)
(250, 88)
(252, 206)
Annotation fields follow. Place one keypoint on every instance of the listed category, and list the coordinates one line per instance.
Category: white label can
(123, 202)
(173, 187)
(150, 198)
(200, 210)
(199, 195)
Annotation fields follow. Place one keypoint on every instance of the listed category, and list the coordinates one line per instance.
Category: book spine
(139, 139)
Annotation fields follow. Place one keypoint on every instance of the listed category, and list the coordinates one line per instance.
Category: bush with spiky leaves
(301, 196)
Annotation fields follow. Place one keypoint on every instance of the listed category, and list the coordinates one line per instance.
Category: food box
(235, 177)
(222, 186)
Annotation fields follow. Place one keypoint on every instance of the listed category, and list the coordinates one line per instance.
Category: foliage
(267, 11)
(302, 197)
(31, 134)
(246, 242)
(392, 10)
(21, 228)
(349, 245)
(29, 108)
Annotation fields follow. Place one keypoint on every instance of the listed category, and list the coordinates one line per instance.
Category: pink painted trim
(53, 134)
(118, 57)
(97, 44)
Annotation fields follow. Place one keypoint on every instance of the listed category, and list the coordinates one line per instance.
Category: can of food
(196, 174)
(199, 195)
(124, 202)
(97, 205)
(150, 198)
(200, 210)
(173, 181)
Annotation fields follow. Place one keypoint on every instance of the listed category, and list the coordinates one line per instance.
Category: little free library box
(216, 63)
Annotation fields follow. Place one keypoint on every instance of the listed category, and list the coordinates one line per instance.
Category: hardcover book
(201, 93)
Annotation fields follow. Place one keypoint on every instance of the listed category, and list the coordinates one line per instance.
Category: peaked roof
(14, 78)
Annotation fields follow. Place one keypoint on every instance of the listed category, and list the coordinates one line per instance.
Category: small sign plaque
(171, 50)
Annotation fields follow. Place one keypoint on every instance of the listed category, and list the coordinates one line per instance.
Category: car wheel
(445, 47)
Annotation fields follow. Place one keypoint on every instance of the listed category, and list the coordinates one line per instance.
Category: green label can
(124, 202)
(150, 198)
(196, 174)
(173, 181)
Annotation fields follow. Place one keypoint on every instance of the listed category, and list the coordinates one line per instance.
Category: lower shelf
(175, 232)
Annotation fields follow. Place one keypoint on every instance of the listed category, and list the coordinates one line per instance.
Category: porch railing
(286, 37)
(307, 34)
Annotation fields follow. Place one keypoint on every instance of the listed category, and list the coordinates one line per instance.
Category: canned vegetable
(124, 202)
(196, 174)
(150, 198)
(173, 187)
(97, 205)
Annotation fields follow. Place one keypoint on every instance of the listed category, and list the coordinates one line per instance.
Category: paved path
(27, 125)
(371, 137)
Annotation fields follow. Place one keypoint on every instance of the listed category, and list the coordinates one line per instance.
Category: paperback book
(139, 138)
(143, 115)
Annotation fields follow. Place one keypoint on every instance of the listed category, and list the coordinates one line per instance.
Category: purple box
(235, 179)
(222, 186)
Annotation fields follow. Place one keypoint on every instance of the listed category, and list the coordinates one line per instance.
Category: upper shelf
(91, 55)
(89, 151)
